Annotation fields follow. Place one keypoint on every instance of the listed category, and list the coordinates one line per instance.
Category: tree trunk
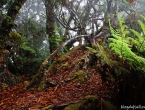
(5, 42)
(50, 24)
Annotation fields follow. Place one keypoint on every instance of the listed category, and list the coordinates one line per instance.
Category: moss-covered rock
(91, 102)
(106, 105)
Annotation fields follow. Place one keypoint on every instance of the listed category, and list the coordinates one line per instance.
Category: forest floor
(64, 92)
(15, 98)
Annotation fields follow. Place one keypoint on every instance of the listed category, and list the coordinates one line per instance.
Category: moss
(4, 86)
(106, 105)
(73, 106)
(64, 57)
(52, 66)
(26, 83)
(14, 35)
(65, 64)
(86, 104)
(44, 108)
(60, 60)
(42, 85)
(80, 76)
(67, 55)
(92, 97)
(91, 102)
(63, 67)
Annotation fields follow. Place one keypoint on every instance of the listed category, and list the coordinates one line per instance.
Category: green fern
(92, 50)
(103, 54)
(139, 40)
(22, 43)
(122, 45)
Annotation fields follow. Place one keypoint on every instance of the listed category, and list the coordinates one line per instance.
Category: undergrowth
(125, 50)
(128, 44)
(122, 61)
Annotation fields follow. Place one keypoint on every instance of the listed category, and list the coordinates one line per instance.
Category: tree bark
(50, 23)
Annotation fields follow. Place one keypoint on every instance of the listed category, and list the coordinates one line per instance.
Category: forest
(72, 54)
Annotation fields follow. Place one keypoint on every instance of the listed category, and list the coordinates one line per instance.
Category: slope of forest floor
(72, 78)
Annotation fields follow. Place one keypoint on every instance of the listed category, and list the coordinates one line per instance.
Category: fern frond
(142, 26)
(92, 50)
(104, 55)
(137, 34)
(22, 43)
(121, 44)
(139, 41)
(143, 17)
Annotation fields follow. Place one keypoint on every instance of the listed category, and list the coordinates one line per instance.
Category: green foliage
(31, 65)
(30, 46)
(139, 40)
(124, 53)
(56, 39)
(22, 43)
(123, 45)
(91, 102)
(93, 50)
(103, 54)
(17, 8)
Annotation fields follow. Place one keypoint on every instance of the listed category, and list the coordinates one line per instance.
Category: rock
(91, 102)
